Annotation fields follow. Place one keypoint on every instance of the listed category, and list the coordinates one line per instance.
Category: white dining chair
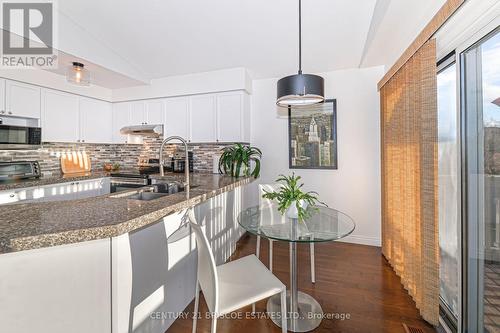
(263, 188)
(231, 286)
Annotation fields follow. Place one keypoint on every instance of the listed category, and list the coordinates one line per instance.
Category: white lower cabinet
(57, 289)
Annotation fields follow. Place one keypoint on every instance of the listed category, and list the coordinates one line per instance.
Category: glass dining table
(322, 224)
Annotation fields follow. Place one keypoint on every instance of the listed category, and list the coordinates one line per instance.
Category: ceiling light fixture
(300, 89)
(77, 74)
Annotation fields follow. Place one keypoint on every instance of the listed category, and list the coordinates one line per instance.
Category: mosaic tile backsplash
(127, 155)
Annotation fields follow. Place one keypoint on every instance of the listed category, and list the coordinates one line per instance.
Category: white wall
(355, 187)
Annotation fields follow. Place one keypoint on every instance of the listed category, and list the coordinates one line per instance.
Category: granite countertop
(36, 225)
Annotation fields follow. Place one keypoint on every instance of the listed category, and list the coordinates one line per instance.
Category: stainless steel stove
(136, 177)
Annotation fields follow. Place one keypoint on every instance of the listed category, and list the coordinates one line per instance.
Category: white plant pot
(292, 212)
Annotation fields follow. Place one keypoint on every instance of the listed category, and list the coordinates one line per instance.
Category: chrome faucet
(186, 161)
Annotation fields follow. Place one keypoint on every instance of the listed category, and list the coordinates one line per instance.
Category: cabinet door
(121, 113)
(2, 97)
(177, 117)
(247, 120)
(22, 100)
(155, 113)
(96, 121)
(137, 113)
(229, 117)
(60, 119)
(202, 118)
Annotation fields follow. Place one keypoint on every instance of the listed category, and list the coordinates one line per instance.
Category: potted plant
(291, 199)
(235, 160)
(108, 167)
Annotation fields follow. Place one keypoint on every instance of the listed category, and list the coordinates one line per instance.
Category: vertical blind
(410, 239)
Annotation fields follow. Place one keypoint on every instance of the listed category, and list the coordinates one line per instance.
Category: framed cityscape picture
(312, 136)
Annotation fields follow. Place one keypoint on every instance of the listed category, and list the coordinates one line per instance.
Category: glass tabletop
(323, 224)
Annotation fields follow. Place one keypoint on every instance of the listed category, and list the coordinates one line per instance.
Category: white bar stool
(233, 285)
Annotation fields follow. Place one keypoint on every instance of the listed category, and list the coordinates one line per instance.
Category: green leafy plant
(237, 158)
(290, 192)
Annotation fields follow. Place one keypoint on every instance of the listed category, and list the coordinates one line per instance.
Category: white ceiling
(401, 23)
(100, 76)
(160, 38)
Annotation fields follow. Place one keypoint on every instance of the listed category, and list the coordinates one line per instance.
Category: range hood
(142, 130)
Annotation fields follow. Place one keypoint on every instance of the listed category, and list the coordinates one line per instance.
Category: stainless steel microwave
(20, 137)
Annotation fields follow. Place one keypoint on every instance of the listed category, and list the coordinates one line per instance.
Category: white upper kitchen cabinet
(202, 118)
(60, 116)
(121, 115)
(230, 108)
(137, 113)
(246, 117)
(176, 117)
(154, 112)
(2, 97)
(22, 100)
(96, 121)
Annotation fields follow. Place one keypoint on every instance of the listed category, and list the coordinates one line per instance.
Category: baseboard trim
(363, 240)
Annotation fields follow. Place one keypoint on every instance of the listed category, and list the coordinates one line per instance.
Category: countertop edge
(95, 233)
(52, 179)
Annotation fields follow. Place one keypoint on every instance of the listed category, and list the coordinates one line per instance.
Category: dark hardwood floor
(350, 279)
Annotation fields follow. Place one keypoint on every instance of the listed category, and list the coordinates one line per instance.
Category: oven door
(20, 137)
(118, 184)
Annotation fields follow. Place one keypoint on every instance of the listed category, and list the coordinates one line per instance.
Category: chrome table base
(304, 312)
(307, 318)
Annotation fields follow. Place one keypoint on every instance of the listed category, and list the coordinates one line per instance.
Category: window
(448, 189)
(481, 114)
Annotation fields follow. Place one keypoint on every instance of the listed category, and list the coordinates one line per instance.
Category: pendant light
(300, 89)
(77, 74)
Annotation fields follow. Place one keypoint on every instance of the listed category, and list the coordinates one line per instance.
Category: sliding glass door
(448, 189)
(480, 99)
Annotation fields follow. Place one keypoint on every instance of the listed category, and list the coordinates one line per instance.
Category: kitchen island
(110, 263)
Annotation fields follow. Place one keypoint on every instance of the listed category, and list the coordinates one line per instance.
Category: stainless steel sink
(155, 191)
(146, 196)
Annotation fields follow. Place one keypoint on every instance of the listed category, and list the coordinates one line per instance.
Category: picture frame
(312, 136)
